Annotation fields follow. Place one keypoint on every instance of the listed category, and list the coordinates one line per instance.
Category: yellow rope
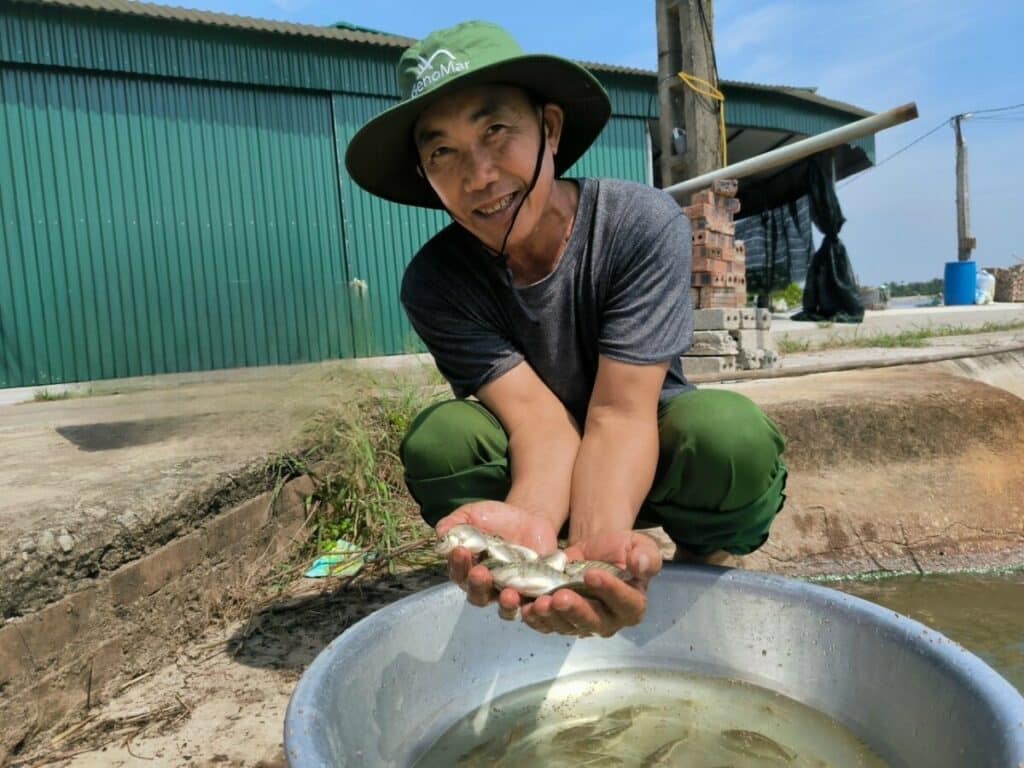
(706, 89)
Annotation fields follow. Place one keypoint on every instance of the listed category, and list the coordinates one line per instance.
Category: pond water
(982, 612)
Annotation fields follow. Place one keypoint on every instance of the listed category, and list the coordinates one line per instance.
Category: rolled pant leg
(455, 452)
(720, 479)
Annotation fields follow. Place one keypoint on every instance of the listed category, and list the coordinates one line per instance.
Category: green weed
(46, 395)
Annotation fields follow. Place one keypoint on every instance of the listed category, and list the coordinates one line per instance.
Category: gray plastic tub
(385, 690)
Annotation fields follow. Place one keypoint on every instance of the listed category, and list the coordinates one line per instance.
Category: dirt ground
(220, 700)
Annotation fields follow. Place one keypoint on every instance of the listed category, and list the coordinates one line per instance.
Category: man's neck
(536, 258)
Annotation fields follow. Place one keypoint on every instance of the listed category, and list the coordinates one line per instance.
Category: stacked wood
(719, 272)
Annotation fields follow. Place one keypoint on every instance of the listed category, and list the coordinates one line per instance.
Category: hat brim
(381, 157)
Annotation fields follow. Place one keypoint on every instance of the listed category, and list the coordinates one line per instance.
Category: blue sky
(947, 56)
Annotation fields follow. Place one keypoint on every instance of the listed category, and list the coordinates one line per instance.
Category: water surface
(982, 612)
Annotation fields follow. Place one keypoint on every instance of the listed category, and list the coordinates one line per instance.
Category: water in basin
(634, 718)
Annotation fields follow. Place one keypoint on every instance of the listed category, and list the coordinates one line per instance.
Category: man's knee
(450, 437)
(727, 438)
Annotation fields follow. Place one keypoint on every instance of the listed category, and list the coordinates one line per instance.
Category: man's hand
(614, 605)
(510, 523)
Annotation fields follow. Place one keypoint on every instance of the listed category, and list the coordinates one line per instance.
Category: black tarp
(830, 290)
(779, 246)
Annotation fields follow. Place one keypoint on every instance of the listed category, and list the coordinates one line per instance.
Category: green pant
(720, 480)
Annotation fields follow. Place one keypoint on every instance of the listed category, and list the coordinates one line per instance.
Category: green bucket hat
(381, 157)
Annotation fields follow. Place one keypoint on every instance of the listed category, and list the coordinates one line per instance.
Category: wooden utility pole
(964, 242)
(689, 128)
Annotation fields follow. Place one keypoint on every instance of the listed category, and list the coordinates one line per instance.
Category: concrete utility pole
(689, 129)
(964, 242)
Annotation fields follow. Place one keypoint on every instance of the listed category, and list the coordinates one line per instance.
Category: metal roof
(225, 20)
(352, 33)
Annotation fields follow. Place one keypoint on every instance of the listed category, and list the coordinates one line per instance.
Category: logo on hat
(428, 74)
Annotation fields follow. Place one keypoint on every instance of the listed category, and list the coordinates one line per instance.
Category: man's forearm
(541, 457)
(614, 470)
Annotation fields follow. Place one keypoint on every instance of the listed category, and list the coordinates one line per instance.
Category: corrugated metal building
(173, 196)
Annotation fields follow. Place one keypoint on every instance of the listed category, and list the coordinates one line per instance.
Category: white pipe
(797, 151)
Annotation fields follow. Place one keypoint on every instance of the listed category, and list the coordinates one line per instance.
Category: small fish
(754, 744)
(670, 754)
(557, 560)
(574, 732)
(579, 567)
(462, 536)
(506, 552)
(628, 713)
(478, 542)
(529, 579)
(600, 740)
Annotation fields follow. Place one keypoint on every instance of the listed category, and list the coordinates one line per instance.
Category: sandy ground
(221, 702)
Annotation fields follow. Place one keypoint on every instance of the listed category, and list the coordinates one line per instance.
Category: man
(563, 306)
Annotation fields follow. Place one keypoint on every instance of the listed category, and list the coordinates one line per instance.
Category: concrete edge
(59, 659)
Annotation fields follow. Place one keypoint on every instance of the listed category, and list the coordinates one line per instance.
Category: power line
(995, 109)
(900, 151)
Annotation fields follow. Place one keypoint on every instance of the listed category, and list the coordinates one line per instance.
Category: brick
(703, 366)
(712, 343)
(749, 359)
(725, 187)
(712, 223)
(712, 238)
(707, 252)
(716, 319)
(148, 574)
(704, 197)
(756, 318)
(712, 297)
(714, 266)
(729, 205)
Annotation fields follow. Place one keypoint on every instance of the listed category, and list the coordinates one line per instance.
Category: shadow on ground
(288, 633)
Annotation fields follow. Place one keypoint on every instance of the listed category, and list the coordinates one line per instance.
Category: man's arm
(543, 442)
(613, 473)
(616, 462)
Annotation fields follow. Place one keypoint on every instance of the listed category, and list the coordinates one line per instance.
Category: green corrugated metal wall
(158, 226)
(381, 238)
(173, 198)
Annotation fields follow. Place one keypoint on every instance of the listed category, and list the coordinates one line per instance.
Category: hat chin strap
(502, 256)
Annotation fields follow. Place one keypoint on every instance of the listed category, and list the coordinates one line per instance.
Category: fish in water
(670, 754)
(754, 744)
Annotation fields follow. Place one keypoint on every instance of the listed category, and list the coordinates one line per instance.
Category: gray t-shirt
(621, 289)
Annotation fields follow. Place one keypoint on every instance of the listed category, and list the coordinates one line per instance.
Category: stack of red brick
(719, 278)
(1009, 283)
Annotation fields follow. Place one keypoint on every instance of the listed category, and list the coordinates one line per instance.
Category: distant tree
(929, 288)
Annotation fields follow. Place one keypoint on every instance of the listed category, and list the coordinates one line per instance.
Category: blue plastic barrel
(959, 284)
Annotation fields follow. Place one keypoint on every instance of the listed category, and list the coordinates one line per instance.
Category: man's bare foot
(719, 557)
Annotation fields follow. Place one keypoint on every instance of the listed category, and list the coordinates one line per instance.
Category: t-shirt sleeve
(467, 345)
(647, 314)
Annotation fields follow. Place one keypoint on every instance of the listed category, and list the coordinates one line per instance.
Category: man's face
(478, 148)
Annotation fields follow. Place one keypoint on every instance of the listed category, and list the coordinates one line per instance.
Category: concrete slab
(898, 320)
(93, 482)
